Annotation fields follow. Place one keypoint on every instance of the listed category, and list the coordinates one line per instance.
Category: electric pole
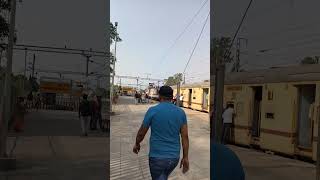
(216, 97)
(137, 83)
(25, 62)
(237, 62)
(147, 75)
(318, 148)
(87, 71)
(6, 107)
(238, 52)
(33, 64)
(88, 56)
(178, 94)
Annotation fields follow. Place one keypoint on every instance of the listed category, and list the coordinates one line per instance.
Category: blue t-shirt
(165, 120)
(226, 164)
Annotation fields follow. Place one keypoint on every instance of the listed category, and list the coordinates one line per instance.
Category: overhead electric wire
(256, 15)
(53, 51)
(196, 44)
(198, 74)
(57, 48)
(237, 31)
(181, 34)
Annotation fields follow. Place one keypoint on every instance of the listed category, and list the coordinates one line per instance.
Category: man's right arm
(185, 146)
(185, 140)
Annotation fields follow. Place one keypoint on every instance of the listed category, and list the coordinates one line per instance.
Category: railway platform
(42, 153)
(125, 164)
(51, 148)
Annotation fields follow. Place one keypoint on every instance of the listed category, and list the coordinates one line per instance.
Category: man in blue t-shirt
(168, 122)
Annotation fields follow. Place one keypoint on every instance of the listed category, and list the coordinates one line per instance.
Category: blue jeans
(160, 168)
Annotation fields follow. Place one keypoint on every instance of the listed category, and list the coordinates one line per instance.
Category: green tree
(174, 80)
(21, 84)
(310, 60)
(220, 48)
(4, 26)
(219, 51)
(114, 35)
(34, 84)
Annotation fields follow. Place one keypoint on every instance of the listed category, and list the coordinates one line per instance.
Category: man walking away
(139, 98)
(168, 122)
(100, 113)
(95, 113)
(38, 102)
(30, 100)
(18, 115)
(84, 114)
(136, 96)
(227, 116)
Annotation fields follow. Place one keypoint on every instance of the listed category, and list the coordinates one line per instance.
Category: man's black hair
(166, 92)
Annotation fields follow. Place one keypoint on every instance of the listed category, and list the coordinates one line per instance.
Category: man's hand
(184, 165)
(136, 148)
(141, 133)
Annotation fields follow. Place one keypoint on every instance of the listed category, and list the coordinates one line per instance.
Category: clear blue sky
(149, 28)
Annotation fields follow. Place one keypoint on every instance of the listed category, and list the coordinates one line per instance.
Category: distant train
(127, 91)
(153, 93)
(276, 109)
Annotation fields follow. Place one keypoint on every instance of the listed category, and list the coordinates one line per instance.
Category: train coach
(276, 109)
(195, 96)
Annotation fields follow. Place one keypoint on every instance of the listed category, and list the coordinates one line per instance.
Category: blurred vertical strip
(108, 108)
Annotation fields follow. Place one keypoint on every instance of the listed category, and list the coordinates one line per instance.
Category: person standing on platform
(84, 114)
(227, 116)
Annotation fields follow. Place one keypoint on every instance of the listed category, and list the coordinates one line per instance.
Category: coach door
(306, 99)
(190, 98)
(256, 111)
(205, 99)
